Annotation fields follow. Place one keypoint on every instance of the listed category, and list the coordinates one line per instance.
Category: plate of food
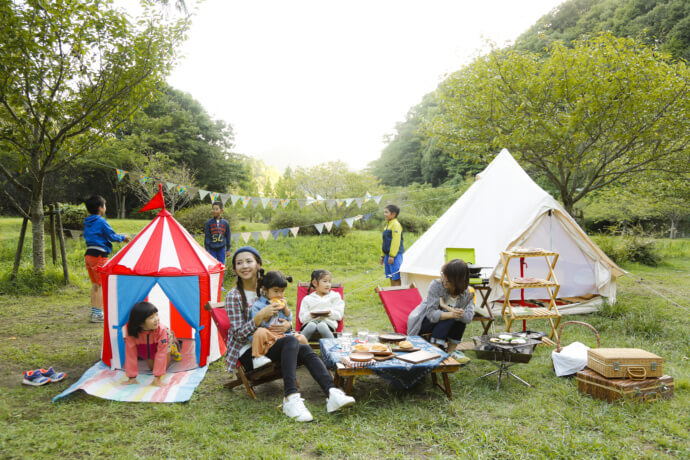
(406, 346)
(320, 312)
(379, 349)
(392, 337)
(361, 348)
(521, 250)
(361, 357)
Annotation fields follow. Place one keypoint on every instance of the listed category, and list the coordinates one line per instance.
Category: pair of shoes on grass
(38, 377)
(293, 405)
(460, 357)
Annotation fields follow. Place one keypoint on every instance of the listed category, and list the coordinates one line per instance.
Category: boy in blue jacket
(98, 235)
(217, 234)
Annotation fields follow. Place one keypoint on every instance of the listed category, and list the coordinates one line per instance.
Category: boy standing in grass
(392, 248)
(98, 235)
(217, 234)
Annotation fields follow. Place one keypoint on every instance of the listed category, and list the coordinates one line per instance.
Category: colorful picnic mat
(400, 374)
(106, 383)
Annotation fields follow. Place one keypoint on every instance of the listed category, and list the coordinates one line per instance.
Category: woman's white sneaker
(293, 407)
(337, 399)
(260, 361)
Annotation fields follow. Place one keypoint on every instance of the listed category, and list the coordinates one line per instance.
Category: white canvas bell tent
(164, 265)
(504, 208)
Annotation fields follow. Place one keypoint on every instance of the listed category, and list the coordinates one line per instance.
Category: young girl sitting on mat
(273, 286)
(447, 309)
(150, 340)
(321, 300)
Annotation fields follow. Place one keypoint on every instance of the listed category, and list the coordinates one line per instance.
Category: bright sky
(308, 81)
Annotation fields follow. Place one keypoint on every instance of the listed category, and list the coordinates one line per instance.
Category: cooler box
(622, 363)
(610, 390)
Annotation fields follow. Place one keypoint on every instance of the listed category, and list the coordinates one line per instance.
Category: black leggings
(443, 330)
(288, 352)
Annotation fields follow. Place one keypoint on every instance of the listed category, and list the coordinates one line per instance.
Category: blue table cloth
(400, 374)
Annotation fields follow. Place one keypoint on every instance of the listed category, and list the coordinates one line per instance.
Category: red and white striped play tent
(164, 265)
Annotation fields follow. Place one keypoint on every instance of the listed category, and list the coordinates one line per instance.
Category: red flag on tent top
(156, 202)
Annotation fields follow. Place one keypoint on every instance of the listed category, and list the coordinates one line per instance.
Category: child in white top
(322, 299)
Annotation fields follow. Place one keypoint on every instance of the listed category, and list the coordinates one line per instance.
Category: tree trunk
(121, 209)
(39, 257)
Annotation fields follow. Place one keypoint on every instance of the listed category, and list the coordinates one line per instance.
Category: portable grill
(503, 355)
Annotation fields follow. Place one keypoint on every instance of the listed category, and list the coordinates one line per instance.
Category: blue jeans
(448, 329)
(219, 254)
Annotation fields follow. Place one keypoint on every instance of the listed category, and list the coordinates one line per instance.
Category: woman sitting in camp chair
(447, 309)
(287, 350)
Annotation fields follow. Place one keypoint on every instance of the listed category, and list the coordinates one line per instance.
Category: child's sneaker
(175, 351)
(96, 317)
(293, 407)
(460, 357)
(260, 361)
(337, 399)
(34, 378)
(52, 374)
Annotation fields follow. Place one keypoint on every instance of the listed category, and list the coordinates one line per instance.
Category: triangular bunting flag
(245, 200)
(234, 198)
(319, 227)
(214, 196)
(256, 236)
(285, 202)
(359, 201)
(377, 199)
(328, 225)
(330, 204)
(246, 236)
(224, 197)
(348, 201)
(234, 237)
(255, 201)
(294, 231)
(340, 202)
(358, 216)
(275, 202)
(265, 234)
(319, 197)
(301, 203)
(367, 216)
(350, 221)
(284, 231)
(310, 200)
(181, 189)
(120, 174)
(276, 234)
(202, 194)
(144, 179)
(265, 201)
(367, 197)
(170, 185)
(338, 222)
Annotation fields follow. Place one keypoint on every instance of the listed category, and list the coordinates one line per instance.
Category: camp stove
(504, 355)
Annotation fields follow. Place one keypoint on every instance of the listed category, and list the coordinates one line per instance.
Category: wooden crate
(625, 363)
(610, 390)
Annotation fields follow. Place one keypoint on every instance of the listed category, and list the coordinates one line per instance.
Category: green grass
(48, 326)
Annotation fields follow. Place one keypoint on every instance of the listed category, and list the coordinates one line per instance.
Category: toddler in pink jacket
(149, 340)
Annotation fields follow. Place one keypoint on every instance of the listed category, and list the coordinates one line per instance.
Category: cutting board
(418, 356)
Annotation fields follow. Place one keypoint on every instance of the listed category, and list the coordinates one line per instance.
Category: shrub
(72, 216)
(628, 248)
(194, 218)
(415, 224)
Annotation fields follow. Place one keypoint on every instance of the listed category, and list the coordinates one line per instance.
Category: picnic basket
(600, 387)
(632, 363)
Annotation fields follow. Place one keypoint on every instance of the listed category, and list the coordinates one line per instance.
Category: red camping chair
(399, 302)
(302, 289)
(249, 379)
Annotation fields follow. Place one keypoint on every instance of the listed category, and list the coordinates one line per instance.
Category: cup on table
(362, 335)
(346, 340)
(373, 337)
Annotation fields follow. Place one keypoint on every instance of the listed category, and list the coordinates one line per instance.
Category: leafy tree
(663, 23)
(164, 170)
(71, 72)
(585, 117)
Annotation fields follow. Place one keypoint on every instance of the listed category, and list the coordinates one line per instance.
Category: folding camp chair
(476, 285)
(399, 302)
(302, 289)
(249, 379)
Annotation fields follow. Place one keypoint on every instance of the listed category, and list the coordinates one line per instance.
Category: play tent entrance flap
(164, 265)
(503, 208)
